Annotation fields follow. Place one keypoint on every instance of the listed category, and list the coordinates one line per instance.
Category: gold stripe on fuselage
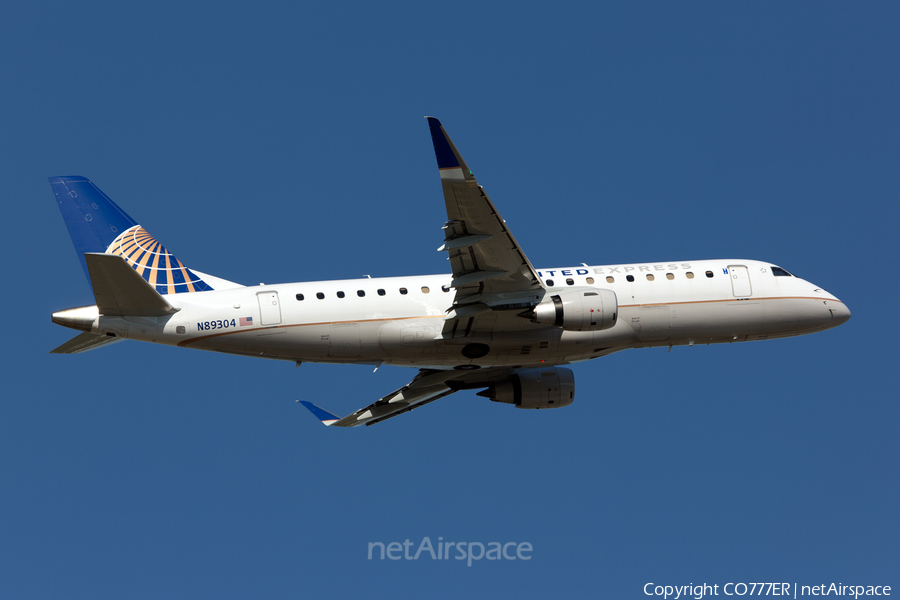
(214, 335)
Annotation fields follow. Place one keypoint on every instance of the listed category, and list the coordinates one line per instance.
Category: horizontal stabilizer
(84, 342)
(120, 291)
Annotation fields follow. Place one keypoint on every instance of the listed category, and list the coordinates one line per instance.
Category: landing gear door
(740, 281)
(269, 309)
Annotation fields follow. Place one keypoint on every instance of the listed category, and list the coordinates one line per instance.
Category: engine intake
(577, 309)
(552, 387)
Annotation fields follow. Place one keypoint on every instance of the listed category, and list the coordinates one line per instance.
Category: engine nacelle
(578, 309)
(552, 387)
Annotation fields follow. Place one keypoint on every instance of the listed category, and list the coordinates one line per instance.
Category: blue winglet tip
(446, 159)
(320, 413)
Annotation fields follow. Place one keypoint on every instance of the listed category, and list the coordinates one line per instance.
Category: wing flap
(426, 387)
(478, 240)
(409, 408)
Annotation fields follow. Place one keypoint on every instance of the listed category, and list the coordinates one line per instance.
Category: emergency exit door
(269, 309)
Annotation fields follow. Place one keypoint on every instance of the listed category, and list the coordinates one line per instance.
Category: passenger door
(740, 281)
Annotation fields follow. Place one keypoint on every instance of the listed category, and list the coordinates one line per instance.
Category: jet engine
(552, 387)
(577, 309)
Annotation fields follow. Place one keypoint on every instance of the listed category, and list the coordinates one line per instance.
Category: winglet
(323, 415)
(450, 162)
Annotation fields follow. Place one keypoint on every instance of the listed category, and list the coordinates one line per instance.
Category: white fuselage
(372, 321)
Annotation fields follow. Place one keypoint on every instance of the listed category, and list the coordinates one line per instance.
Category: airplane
(494, 324)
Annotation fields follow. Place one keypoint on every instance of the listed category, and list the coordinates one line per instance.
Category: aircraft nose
(840, 312)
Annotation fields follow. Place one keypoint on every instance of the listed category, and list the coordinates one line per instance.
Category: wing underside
(490, 271)
(427, 386)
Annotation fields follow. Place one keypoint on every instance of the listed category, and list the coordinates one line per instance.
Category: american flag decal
(245, 321)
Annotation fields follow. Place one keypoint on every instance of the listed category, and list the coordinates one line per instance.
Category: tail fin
(98, 225)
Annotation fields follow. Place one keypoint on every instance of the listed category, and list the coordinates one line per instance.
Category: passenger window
(360, 293)
(689, 275)
(381, 292)
(610, 279)
(709, 274)
(445, 288)
(403, 291)
(570, 282)
(320, 295)
(299, 296)
(590, 281)
(670, 276)
(629, 278)
(340, 294)
(549, 283)
(650, 277)
(425, 289)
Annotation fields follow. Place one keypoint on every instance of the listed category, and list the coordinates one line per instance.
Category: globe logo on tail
(154, 263)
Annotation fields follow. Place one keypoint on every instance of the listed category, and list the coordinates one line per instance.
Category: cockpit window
(779, 272)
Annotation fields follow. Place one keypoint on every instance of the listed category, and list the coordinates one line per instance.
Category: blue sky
(286, 143)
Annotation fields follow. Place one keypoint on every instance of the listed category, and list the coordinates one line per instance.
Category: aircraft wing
(427, 386)
(490, 270)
